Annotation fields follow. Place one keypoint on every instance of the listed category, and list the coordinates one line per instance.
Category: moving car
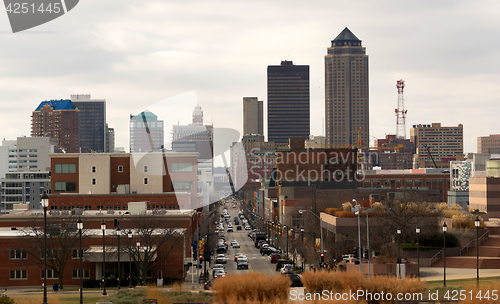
(236, 245)
(242, 263)
(238, 227)
(219, 273)
(217, 267)
(236, 256)
(220, 259)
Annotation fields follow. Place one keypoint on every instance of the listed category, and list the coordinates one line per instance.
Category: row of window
(115, 207)
(71, 168)
(23, 274)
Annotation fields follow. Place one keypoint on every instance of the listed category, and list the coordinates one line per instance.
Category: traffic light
(355, 252)
(201, 258)
(325, 265)
(322, 257)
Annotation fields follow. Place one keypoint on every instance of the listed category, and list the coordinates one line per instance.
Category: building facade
(92, 122)
(346, 92)
(24, 189)
(146, 133)
(288, 102)
(111, 181)
(443, 143)
(253, 116)
(58, 119)
(488, 144)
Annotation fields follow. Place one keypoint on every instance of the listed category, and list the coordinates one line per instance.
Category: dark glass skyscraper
(288, 102)
(92, 122)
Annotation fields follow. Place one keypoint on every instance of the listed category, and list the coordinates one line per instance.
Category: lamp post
(368, 243)
(359, 232)
(143, 281)
(103, 228)
(118, 231)
(417, 230)
(79, 226)
(302, 243)
(44, 200)
(320, 223)
(291, 232)
(445, 228)
(129, 234)
(138, 244)
(286, 235)
(477, 222)
(399, 253)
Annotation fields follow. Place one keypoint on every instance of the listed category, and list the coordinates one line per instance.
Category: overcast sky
(137, 53)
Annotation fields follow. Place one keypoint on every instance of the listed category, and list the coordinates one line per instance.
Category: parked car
(296, 280)
(268, 250)
(275, 257)
(280, 263)
(287, 269)
(242, 263)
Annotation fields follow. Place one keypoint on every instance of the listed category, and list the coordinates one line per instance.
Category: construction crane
(430, 155)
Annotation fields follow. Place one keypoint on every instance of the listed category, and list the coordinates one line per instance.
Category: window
(145, 169)
(120, 168)
(51, 254)
(65, 168)
(18, 275)
(182, 167)
(76, 272)
(50, 274)
(187, 185)
(94, 182)
(17, 254)
(93, 169)
(75, 254)
(145, 181)
(100, 208)
(65, 186)
(118, 207)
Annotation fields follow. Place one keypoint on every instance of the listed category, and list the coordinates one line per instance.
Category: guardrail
(481, 240)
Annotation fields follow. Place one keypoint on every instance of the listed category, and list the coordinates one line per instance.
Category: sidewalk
(437, 273)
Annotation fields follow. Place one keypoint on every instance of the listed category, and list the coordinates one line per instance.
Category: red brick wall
(63, 177)
(119, 178)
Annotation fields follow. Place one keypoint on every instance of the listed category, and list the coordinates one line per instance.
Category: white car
(221, 259)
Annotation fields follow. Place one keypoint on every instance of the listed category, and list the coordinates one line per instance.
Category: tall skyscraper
(58, 119)
(253, 112)
(92, 122)
(346, 92)
(146, 133)
(287, 102)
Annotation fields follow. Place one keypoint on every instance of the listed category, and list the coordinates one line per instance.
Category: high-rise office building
(488, 144)
(58, 119)
(92, 122)
(346, 92)
(110, 140)
(288, 102)
(253, 112)
(146, 133)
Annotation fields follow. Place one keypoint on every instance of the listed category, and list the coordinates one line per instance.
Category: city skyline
(147, 53)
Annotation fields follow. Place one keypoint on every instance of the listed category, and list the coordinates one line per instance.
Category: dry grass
(481, 291)
(353, 281)
(52, 299)
(253, 287)
(153, 292)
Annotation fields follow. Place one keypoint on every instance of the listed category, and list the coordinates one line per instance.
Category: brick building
(110, 181)
(58, 119)
(21, 268)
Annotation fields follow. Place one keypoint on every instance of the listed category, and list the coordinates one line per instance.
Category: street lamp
(129, 234)
(477, 222)
(302, 243)
(272, 232)
(445, 228)
(286, 235)
(103, 228)
(44, 200)
(368, 243)
(417, 230)
(399, 253)
(79, 226)
(320, 223)
(359, 232)
(118, 231)
(138, 244)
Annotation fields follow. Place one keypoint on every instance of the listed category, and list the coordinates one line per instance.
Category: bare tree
(156, 241)
(62, 240)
